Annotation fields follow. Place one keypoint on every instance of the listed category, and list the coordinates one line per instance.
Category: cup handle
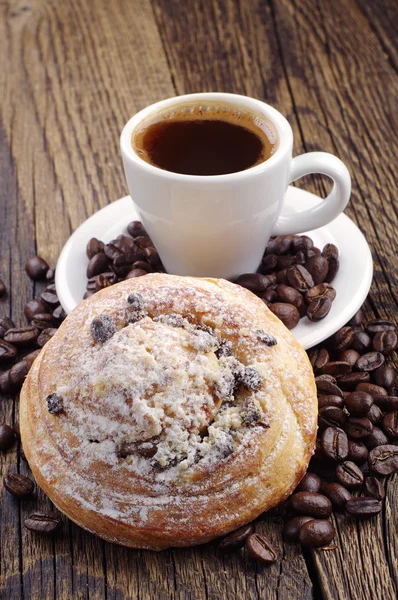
(328, 209)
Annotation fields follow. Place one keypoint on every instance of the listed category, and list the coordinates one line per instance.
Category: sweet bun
(168, 411)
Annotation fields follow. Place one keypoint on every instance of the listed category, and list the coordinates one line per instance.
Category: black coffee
(212, 140)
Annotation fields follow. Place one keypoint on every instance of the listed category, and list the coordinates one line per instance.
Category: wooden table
(71, 74)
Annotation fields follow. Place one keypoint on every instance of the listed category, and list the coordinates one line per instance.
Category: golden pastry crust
(169, 434)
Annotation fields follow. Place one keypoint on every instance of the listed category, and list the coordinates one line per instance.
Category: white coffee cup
(219, 225)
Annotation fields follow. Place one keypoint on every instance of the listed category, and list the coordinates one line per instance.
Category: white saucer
(352, 281)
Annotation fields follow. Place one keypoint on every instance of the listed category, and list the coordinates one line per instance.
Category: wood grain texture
(71, 74)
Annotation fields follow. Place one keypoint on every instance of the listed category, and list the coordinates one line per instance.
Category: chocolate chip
(55, 403)
(102, 328)
(136, 301)
(252, 379)
(266, 338)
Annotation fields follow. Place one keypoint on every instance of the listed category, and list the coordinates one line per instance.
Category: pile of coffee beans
(294, 278)
(125, 257)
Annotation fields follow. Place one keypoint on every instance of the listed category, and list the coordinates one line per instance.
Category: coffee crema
(210, 139)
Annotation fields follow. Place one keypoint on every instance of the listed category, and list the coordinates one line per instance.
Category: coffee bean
(358, 403)
(384, 376)
(292, 527)
(260, 549)
(376, 438)
(318, 309)
(390, 424)
(311, 504)
(7, 437)
(144, 266)
(268, 263)
(136, 273)
(363, 507)
(387, 403)
(5, 384)
(51, 288)
(42, 321)
(152, 255)
(284, 262)
(46, 523)
(357, 452)
(102, 328)
(18, 373)
(18, 485)
(309, 483)
(322, 290)
(104, 280)
(287, 313)
(385, 342)
(377, 325)
(330, 416)
(373, 390)
(351, 381)
(22, 336)
(370, 361)
(374, 414)
(299, 278)
(316, 533)
(143, 241)
(115, 248)
(351, 356)
(7, 350)
(31, 357)
(375, 488)
(269, 296)
(358, 427)
(336, 367)
(281, 276)
(50, 298)
(301, 243)
(357, 319)
(50, 275)
(361, 341)
(255, 282)
(334, 265)
(330, 251)
(330, 400)
(123, 264)
(236, 539)
(94, 247)
(34, 307)
(5, 325)
(343, 338)
(384, 459)
(337, 494)
(279, 245)
(325, 377)
(319, 357)
(45, 336)
(3, 289)
(327, 387)
(136, 228)
(349, 475)
(290, 295)
(59, 314)
(55, 403)
(318, 267)
(334, 443)
(98, 264)
(36, 268)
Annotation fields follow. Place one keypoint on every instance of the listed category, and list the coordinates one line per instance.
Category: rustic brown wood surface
(71, 74)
